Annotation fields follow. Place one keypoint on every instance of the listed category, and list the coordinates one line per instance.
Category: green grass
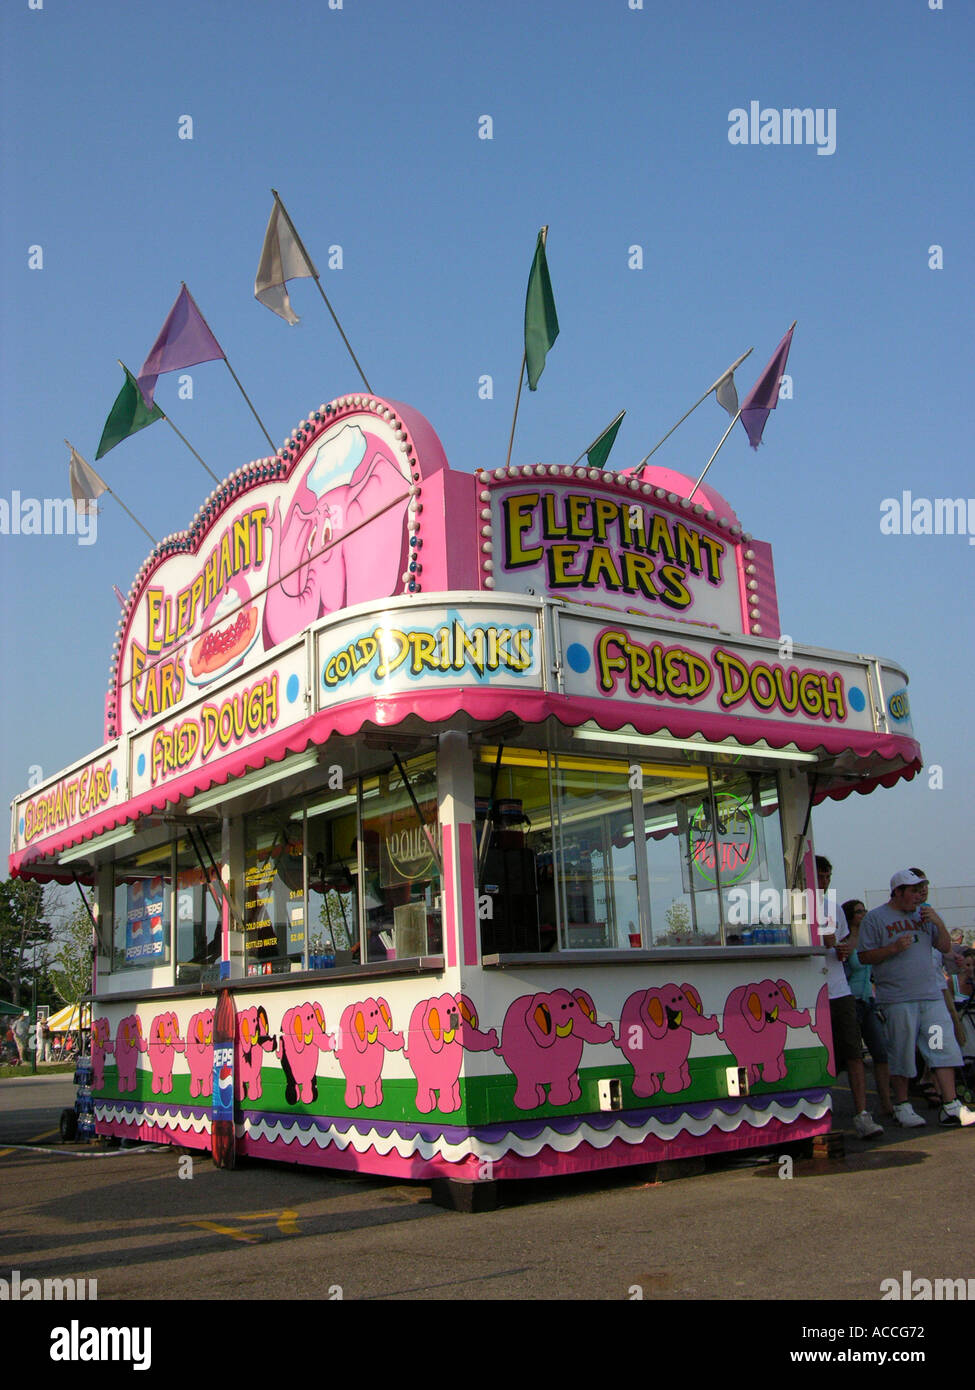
(45, 1069)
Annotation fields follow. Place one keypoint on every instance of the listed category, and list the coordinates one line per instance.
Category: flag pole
(230, 369)
(524, 359)
(175, 430)
(598, 438)
(117, 498)
(294, 233)
(714, 385)
(713, 456)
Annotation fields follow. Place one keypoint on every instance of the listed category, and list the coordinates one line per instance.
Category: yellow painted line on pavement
(48, 1134)
(287, 1220)
(225, 1230)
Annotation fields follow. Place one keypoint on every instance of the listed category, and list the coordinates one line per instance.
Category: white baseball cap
(905, 878)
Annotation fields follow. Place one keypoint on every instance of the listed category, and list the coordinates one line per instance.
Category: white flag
(282, 258)
(726, 395)
(86, 485)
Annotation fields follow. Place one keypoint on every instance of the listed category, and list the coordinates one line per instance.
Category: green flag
(541, 323)
(598, 451)
(128, 415)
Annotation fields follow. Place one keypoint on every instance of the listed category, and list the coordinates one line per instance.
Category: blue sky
(610, 124)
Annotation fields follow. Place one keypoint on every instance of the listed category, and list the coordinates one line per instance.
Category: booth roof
(887, 757)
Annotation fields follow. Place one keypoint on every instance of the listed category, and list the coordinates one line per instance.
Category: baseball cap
(905, 878)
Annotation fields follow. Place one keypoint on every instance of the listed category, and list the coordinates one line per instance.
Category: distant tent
(66, 1019)
(6, 1008)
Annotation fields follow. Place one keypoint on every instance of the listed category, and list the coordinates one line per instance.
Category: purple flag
(764, 395)
(185, 340)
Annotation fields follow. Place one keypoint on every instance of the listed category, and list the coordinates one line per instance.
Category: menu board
(274, 903)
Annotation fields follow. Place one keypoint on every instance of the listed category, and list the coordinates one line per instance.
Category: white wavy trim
(280, 1131)
(147, 1114)
(528, 1148)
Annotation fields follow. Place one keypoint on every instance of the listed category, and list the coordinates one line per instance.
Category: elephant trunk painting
(440, 1029)
(351, 486)
(302, 1038)
(656, 1029)
(542, 1038)
(757, 1018)
(365, 1036)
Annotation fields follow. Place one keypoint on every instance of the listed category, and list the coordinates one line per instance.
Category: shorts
(912, 1025)
(847, 1042)
(872, 1029)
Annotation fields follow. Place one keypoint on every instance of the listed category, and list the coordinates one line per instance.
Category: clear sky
(609, 121)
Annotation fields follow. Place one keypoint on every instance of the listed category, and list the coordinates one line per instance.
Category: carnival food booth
(482, 799)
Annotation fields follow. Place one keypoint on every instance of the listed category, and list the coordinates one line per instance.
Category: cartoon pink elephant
(823, 1028)
(252, 1038)
(164, 1043)
(542, 1038)
(350, 481)
(199, 1053)
(655, 1034)
(365, 1036)
(129, 1042)
(101, 1046)
(757, 1018)
(302, 1037)
(440, 1029)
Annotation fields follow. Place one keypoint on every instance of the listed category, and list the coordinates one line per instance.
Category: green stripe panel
(490, 1099)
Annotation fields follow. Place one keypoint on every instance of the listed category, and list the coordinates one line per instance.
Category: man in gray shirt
(897, 940)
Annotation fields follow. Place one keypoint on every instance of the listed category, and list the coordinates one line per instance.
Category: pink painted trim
(433, 707)
(470, 922)
(584, 1158)
(450, 899)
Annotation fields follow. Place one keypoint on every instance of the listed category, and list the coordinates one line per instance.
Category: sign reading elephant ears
(223, 1136)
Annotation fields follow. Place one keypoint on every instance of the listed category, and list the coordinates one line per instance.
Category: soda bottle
(222, 1134)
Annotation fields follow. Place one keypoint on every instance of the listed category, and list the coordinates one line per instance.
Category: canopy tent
(66, 1020)
(12, 1009)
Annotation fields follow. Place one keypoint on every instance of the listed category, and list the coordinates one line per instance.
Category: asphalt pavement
(164, 1224)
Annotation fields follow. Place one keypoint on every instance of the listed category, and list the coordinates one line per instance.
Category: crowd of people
(18, 1043)
(893, 975)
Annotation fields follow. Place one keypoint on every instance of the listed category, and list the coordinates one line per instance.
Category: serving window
(579, 853)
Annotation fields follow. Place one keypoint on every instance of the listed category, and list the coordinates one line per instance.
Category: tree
(24, 930)
(69, 968)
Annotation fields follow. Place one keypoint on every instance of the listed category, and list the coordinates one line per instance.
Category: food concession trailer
(483, 801)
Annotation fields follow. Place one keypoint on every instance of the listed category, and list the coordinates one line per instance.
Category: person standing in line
(861, 986)
(847, 1042)
(896, 941)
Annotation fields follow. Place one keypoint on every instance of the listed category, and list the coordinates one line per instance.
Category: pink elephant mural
(542, 1038)
(129, 1042)
(164, 1043)
(440, 1028)
(365, 1036)
(656, 1027)
(823, 1028)
(101, 1046)
(302, 1037)
(350, 481)
(199, 1053)
(757, 1018)
(252, 1039)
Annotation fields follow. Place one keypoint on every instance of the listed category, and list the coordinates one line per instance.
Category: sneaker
(954, 1113)
(866, 1126)
(906, 1116)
